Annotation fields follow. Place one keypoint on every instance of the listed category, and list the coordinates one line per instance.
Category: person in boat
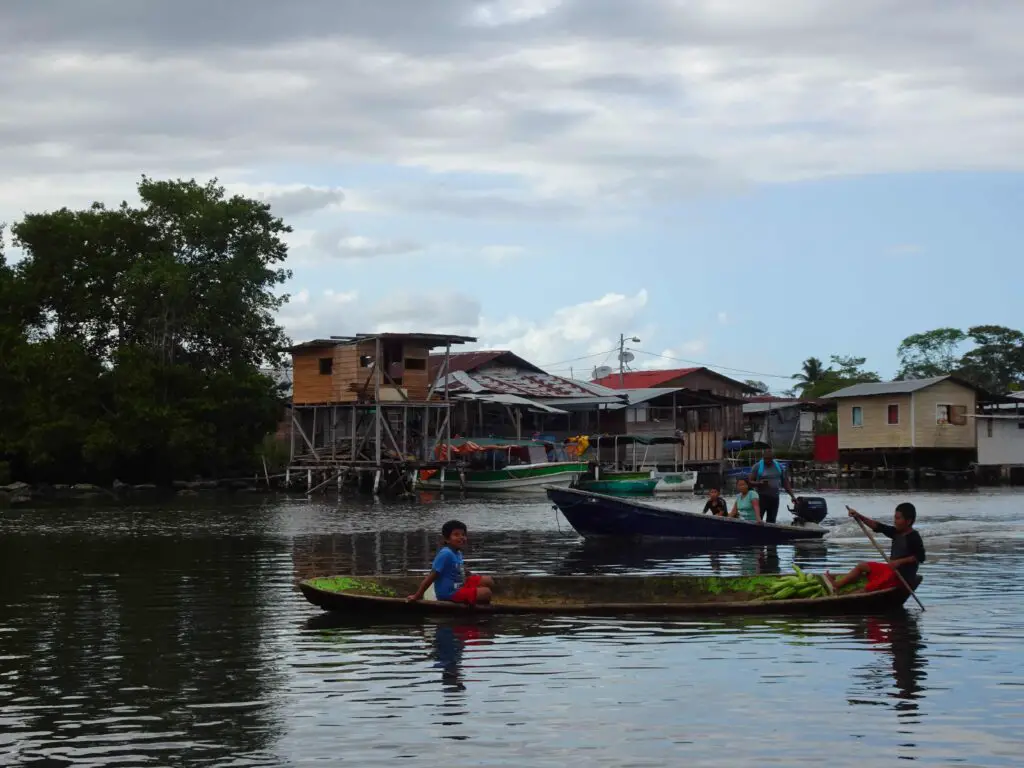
(747, 504)
(716, 504)
(769, 477)
(906, 555)
(448, 573)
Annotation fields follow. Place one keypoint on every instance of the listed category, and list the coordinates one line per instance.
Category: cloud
(578, 105)
(501, 254)
(304, 200)
(339, 244)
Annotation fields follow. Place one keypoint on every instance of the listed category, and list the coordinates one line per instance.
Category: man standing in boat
(769, 478)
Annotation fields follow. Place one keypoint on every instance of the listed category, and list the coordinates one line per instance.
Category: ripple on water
(154, 636)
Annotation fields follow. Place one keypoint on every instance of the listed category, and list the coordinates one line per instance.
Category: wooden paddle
(870, 535)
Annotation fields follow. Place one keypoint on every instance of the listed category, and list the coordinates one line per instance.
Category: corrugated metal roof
(488, 397)
(512, 381)
(470, 361)
(765, 407)
(888, 387)
(642, 379)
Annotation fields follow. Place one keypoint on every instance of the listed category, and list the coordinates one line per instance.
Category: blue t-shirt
(450, 572)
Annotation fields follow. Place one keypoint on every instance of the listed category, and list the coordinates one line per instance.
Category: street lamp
(622, 355)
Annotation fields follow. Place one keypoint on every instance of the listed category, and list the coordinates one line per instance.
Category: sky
(737, 183)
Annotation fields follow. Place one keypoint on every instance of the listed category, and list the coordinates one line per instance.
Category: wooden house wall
(352, 377)
(928, 433)
(875, 431)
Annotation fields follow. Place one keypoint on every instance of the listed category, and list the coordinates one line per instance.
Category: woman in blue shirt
(747, 504)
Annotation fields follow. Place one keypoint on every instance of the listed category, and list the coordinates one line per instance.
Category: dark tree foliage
(995, 362)
(132, 339)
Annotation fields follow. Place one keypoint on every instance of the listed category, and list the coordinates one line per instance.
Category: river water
(173, 635)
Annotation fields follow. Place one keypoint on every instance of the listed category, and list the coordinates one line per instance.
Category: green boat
(618, 486)
(498, 464)
(617, 474)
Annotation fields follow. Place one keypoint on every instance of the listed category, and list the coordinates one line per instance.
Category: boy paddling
(448, 572)
(906, 554)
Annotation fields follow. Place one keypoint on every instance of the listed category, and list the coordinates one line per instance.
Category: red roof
(643, 379)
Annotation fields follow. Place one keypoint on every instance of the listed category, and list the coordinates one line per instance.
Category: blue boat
(599, 516)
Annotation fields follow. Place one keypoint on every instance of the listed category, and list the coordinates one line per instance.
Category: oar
(870, 535)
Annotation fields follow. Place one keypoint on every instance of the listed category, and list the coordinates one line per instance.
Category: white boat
(674, 482)
(519, 477)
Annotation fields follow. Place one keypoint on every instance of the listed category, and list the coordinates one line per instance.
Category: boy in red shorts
(448, 573)
(906, 554)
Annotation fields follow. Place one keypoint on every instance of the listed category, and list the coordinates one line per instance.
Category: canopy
(638, 439)
(465, 445)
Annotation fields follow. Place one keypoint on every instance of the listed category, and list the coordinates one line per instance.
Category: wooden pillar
(447, 401)
(377, 362)
(353, 434)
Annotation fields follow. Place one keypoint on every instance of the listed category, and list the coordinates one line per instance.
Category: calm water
(174, 636)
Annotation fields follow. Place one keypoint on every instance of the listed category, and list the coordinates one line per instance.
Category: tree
(759, 387)
(812, 372)
(996, 363)
(933, 353)
(136, 336)
(851, 370)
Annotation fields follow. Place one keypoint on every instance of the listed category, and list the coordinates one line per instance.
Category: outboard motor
(808, 509)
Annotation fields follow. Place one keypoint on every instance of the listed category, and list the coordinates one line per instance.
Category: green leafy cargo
(349, 584)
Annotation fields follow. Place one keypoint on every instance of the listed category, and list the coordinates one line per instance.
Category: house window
(988, 427)
(942, 413)
(415, 364)
(636, 415)
(893, 414)
(326, 366)
(857, 416)
(951, 414)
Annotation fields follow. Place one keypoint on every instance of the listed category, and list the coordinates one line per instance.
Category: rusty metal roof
(512, 381)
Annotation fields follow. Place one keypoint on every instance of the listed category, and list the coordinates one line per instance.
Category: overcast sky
(737, 182)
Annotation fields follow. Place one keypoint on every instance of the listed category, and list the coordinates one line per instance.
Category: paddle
(870, 535)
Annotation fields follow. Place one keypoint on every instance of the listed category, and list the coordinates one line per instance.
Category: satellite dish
(627, 357)
(600, 372)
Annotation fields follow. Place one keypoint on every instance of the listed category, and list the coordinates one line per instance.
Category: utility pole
(622, 355)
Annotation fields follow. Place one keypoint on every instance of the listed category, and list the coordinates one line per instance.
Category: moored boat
(618, 486)
(596, 515)
(595, 596)
(494, 464)
(674, 482)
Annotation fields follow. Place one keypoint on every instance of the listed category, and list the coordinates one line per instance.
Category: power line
(712, 365)
(574, 359)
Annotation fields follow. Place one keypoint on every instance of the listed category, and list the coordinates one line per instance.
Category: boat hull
(596, 515)
(517, 478)
(619, 486)
(602, 596)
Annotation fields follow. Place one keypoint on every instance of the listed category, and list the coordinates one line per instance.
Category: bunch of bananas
(801, 586)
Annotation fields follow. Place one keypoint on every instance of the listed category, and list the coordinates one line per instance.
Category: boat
(594, 596)
(618, 486)
(495, 464)
(596, 515)
(674, 482)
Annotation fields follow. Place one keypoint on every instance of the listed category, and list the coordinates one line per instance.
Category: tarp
(461, 446)
(638, 439)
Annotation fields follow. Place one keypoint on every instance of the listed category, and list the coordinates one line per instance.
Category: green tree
(933, 353)
(812, 372)
(137, 335)
(996, 362)
(759, 387)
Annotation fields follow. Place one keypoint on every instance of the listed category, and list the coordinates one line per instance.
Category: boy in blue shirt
(448, 572)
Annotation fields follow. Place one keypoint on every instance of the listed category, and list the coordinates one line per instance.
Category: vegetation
(815, 380)
(994, 361)
(133, 338)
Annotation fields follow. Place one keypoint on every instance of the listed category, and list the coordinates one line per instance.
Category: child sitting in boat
(715, 504)
(448, 573)
(906, 554)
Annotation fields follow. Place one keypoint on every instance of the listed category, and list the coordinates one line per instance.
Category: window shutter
(959, 415)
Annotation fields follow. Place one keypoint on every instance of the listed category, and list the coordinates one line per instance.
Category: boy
(716, 504)
(906, 554)
(449, 575)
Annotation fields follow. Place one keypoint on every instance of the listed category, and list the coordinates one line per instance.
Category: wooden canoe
(595, 596)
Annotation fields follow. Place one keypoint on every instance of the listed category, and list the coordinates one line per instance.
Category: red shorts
(467, 592)
(881, 576)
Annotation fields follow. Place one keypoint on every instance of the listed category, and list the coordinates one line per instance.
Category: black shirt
(717, 506)
(904, 545)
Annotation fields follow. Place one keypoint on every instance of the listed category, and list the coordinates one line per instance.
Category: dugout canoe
(594, 596)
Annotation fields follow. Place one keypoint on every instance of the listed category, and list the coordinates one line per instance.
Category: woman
(747, 504)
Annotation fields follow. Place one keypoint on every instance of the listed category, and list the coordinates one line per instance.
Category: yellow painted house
(915, 422)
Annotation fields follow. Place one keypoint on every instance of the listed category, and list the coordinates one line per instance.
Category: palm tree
(813, 372)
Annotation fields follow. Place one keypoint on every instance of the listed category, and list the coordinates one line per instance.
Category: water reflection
(897, 639)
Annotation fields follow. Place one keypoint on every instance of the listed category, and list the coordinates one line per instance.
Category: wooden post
(376, 479)
(447, 401)
(376, 412)
(309, 479)
(352, 458)
(405, 432)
